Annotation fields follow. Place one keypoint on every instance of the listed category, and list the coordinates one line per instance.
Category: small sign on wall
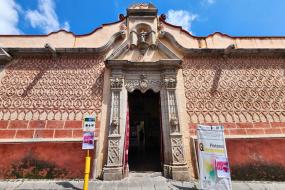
(89, 123)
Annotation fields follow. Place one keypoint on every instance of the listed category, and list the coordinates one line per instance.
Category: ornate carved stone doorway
(126, 77)
(144, 151)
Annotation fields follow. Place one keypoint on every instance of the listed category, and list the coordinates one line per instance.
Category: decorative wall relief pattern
(113, 152)
(45, 88)
(177, 150)
(236, 89)
(115, 122)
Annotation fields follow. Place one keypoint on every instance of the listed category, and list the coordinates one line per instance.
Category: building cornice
(79, 50)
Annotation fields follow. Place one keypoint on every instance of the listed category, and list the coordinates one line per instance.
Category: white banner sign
(213, 160)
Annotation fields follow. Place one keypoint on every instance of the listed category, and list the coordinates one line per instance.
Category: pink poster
(222, 167)
(88, 140)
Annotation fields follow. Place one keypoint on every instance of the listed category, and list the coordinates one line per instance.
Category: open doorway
(145, 131)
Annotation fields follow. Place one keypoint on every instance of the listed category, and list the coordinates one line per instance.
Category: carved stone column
(113, 170)
(177, 169)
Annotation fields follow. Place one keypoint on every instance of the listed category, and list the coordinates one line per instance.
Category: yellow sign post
(88, 143)
(87, 171)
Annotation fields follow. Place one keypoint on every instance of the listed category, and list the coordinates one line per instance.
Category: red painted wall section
(47, 160)
(21, 129)
(249, 128)
(257, 159)
(250, 151)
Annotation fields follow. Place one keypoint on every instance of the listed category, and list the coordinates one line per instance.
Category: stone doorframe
(160, 76)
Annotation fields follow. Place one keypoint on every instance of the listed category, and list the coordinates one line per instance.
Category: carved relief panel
(237, 89)
(114, 137)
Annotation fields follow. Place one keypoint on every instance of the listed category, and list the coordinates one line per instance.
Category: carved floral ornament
(170, 82)
(116, 82)
(143, 84)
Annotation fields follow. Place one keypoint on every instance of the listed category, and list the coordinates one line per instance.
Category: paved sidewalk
(136, 181)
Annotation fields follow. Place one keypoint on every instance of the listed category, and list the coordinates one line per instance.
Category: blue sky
(200, 17)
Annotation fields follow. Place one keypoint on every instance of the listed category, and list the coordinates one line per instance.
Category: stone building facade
(149, 83)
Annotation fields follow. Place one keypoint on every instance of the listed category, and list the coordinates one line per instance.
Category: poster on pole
(214, 167)
(88, 140)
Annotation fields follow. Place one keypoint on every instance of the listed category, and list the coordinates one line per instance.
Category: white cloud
(208, 2)
(9, 17)
(181, 18)
(66, 26)
(45, 17)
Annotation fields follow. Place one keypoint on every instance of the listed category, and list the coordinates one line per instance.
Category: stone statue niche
(143, 38)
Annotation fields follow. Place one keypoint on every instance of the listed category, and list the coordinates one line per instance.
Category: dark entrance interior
(145, 131)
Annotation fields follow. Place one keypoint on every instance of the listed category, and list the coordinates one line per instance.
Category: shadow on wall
(32, 168)
(258, 171)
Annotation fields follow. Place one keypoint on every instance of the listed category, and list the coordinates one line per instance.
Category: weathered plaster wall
(42, 104)
(257, 158)
(46, 160)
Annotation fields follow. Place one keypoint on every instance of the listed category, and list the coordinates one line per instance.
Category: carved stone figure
(174, 123)
(142, 36)
(143, 82)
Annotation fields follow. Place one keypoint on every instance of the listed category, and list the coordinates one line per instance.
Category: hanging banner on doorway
(213, 160)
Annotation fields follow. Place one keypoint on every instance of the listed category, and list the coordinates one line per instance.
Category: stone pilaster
(177, 169)
(113, 169)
